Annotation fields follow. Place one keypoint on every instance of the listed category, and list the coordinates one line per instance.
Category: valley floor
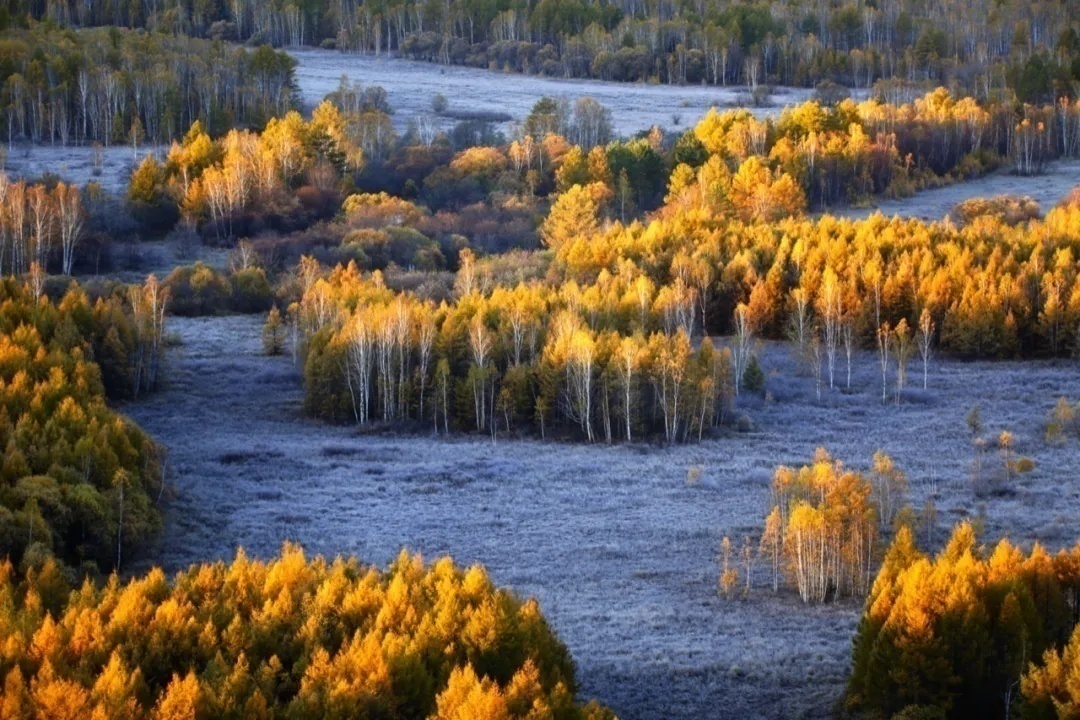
(615, 543)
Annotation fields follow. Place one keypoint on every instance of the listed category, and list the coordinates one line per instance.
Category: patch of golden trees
(606, 341)
(850, 152)
(221, 182)
(79, 481)
(285, 638)
(614, 360)
(823, 525)
(972, 632)
(990, 288)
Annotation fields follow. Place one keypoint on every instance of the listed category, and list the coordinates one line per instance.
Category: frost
(410, 86)
(615, 544)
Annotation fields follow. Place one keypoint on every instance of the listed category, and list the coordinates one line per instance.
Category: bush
(1009, 209)
(251, 291)
(1062, 422)
(273, 333)
(198, 290)
(753, 376)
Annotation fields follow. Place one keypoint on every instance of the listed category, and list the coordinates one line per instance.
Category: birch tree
(743, 342)
(884, 349)
(70, 215)
(925, 339)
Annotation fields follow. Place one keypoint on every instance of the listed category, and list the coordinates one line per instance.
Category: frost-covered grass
(934, 204)
(411, 85)
(615, 543)
(75, 163)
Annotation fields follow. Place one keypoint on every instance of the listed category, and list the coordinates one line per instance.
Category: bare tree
(579, 377)
(815, 354)
(480, 346)
(847, 331)
(361, 360)
(801, 327)
(628, 357)
(832, 315)
(120, 480)
(888, 488)
(41, 222)
(772, 541)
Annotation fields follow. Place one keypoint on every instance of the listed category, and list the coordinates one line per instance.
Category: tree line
(981, 48)
(293, 174)
(113, 86)
(812, 157)
(290, 637)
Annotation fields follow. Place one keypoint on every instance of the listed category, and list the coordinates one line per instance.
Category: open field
(75, 163)
(935, 203)
(411, 85)
(615, 543)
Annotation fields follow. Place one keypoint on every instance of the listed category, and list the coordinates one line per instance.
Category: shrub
(1062, 422)
(198, 290)
(1009, 209)
(251, 291)
(273, 333)
(754, 376)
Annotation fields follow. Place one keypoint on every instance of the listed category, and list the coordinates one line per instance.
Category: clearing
(615, 543)
(411, 85)
(75, 163)
(934, 204)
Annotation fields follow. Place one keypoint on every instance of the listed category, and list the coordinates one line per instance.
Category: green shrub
(198, 290)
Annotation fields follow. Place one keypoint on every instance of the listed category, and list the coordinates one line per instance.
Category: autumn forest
(380, 359)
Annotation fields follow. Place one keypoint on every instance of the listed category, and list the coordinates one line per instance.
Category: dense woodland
(603, 336)
(560, 283)
(80, 482)
(984, 47)
(285, 638)
(112, 86)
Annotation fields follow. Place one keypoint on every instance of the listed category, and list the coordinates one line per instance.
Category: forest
(1030, 50)
(348, 409)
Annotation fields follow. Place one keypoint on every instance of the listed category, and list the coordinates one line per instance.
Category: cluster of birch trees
(519, 357)
(825, 524)
(37, 223)
(118, 86)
